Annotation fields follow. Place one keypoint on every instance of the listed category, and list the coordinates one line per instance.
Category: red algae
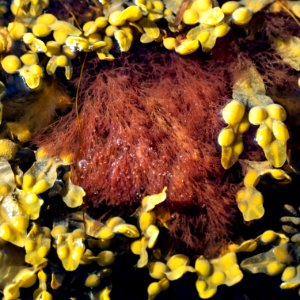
(148, 123)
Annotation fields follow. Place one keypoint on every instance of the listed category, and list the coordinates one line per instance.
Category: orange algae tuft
(151, 122)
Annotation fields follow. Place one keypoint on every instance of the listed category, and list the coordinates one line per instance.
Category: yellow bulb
(187, 47)
(221, 30)
(226, 137)
(16, 30)
(268, 236)
(157, 270)
(153, 289)
(36, 70)
(105, 258)
(136, 247)
(29, 58)
(243, 126)
(201, 5)
(190, 17)
(276, 112)
(289, 273)
(132, 14)
(146, 219)
(89, 28)
(229, 7)
(158, 5)
(233, 112)
(92, 280)
(218, 278)
(203, 267)
(60, 36)
(41, 30)
(10, 64)
(238, 148)
(115, 18)
(110, 30)
(257, 115)
(241, 16)
(280, 131)
(264, 136)
(169, 43)
(47, 19)
(101, 22)
(274, 268)
(177, 260)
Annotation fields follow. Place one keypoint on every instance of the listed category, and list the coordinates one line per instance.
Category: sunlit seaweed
(133, 142)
